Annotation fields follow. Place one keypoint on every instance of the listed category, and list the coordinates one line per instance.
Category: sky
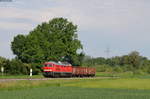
(121, 26)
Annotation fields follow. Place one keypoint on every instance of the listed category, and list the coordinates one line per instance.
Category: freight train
(63, 69)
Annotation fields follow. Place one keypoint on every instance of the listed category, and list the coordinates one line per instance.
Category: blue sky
(121, 25)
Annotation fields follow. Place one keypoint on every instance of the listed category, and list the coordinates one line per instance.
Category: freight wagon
(62, 69)
(83, 72)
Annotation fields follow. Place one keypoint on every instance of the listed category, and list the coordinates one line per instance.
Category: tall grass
(130, 83)
(135, 83)
(128, 74)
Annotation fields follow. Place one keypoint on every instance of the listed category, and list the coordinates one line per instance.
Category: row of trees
(131, 62)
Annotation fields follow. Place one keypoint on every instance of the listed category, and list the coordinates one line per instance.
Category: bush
(117, 69)
(126, 68)
(15, 67)
(103, 68)
(139, 72)
(146, 69)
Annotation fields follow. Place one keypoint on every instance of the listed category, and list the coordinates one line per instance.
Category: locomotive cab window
(48, 65)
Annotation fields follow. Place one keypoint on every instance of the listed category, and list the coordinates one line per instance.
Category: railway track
(40, 79)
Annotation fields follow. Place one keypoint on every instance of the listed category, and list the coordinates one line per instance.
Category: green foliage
(117, 69)
(131, 62)
(127, 68)
(2, 61)
(139, 72)
(15, 67)
(48, 41)
(104, 68)
(18, 45)
(135, 59)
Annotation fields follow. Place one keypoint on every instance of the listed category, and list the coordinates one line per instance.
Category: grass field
(122, 75)
(131, 83)
(128, 86)
(74, 93)
(131, 88)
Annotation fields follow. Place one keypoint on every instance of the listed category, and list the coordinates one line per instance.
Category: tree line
(133, 62)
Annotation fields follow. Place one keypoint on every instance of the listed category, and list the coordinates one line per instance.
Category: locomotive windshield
(48, 65)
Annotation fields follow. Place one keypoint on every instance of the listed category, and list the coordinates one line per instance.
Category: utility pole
(107, 51)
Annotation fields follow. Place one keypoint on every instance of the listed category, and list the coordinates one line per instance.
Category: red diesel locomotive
(61, 69)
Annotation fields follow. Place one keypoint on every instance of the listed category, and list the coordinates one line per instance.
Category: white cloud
(93, 14)
(13, 25)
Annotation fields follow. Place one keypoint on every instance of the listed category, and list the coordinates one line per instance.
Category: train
(63, 69)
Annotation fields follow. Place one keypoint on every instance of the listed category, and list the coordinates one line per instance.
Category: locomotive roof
(60, 63)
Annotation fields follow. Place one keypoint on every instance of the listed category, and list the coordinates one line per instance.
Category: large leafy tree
(54, 40)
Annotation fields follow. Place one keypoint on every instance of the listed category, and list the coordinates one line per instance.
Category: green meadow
(104, 88)
(74, 93)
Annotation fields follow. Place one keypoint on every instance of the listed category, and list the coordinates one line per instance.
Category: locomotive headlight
(47, 70)
(50, 70)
